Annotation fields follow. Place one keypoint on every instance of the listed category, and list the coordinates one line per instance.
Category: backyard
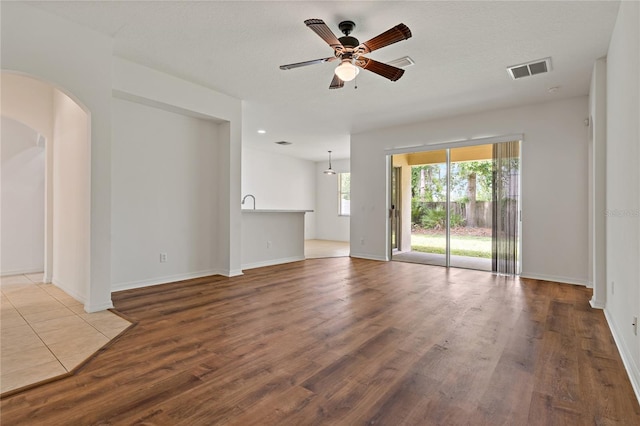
(471, 242)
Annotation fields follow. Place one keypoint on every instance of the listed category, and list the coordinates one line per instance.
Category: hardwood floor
(345, 341)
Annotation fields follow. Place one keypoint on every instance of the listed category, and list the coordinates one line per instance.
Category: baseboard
(163, 280)
(80, 298)
(632, 369)
(99, 307)
(231, 273)
(272, 262)
(21, 272)
(554, 278)
(596, 304)
(369, 257)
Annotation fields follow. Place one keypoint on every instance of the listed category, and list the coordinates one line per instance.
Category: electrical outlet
(268, 244)
(163, 257)
(613, 287)
(362, 241)
(635, 325)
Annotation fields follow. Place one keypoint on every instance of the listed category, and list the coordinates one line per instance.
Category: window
(344, 194)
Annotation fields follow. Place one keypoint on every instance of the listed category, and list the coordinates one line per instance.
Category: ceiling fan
(350, 52)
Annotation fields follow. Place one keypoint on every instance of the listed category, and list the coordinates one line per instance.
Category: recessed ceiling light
(262, 131)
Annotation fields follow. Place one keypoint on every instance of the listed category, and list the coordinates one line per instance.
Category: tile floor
(314, 249)
(44, 332)
(466, 262)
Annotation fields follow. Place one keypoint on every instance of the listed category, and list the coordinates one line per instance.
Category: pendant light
(329, 171)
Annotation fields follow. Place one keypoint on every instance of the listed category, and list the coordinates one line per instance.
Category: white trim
(97, 308)
(369, 257)
(21, 272)
(73, 294)
(632, 369)
(554, 278)
(455, 144)
(596, 304)
(229, 273)
(163, 280)
(273, 262)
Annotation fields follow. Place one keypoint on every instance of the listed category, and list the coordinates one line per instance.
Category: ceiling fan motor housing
(348, 41)
(346, 27)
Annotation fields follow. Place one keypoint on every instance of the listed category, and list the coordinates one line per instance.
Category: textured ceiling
(461, 50)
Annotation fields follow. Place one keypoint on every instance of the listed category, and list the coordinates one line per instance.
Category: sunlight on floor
(45, 332)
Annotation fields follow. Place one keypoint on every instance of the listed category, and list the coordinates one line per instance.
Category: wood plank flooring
(346, 341)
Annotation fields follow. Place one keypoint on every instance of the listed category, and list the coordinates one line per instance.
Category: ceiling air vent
(283, 143)
(540, 66)
(402, 62)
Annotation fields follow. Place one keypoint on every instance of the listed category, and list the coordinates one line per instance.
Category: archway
(65, 124)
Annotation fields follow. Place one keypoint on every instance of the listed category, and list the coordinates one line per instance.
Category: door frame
(447, 146)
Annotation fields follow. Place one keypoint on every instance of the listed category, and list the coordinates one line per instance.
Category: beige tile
(14, 289)
(34, 315)
(66, 323)
(27, 295)
(14, 279)
(7, 307)
(76, 307)
(39, 307)
(39, 316)
(36, 278)
(28, 358)
(105, 320)
(56, 292)
(11, 318)
(62, 335)
(29, 376)
(111, 333)
(17, 339)
(76, 349)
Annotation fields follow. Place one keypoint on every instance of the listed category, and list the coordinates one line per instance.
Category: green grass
(460, 245)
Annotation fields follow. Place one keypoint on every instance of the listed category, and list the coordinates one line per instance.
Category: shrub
(437, 218)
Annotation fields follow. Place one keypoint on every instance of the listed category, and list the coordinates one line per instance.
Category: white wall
(156, 89)
(71, 201)
(280, 182)
(329, 225)
(78, 61)
(623, 186)
(22, 198)
(554, 181)
(164, 196)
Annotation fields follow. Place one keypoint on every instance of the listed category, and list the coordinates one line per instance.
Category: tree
(465, 177)
(427, 183)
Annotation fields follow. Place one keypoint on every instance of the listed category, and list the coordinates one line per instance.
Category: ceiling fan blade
(319, 27)
(305, 63)
(398, 33)
(336, 83)
(386, 71)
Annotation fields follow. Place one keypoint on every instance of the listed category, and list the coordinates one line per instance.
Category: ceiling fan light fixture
(346, 71)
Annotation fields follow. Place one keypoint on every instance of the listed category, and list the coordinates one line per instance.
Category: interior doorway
(63, 126)
(465, 207)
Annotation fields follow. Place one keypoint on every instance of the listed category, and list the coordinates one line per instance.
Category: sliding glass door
(464, 207)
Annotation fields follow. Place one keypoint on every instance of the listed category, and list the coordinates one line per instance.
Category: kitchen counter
(272, 237)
